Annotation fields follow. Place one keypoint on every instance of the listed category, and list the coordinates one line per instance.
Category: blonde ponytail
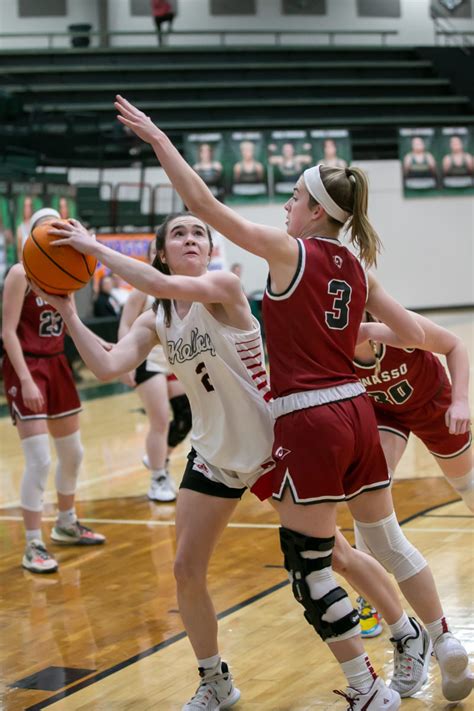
(349, 188)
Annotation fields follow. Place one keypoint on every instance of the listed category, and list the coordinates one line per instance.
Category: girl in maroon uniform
(42, 398)
(326, 441)
(410, 392)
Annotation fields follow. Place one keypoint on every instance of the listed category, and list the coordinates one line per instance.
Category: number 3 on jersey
(338, 317)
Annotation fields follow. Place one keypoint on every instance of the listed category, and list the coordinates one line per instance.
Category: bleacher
(67, 95)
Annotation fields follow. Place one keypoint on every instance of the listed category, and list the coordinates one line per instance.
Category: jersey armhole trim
(296, 279)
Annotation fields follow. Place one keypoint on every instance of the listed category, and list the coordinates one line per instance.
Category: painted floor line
(153, 523)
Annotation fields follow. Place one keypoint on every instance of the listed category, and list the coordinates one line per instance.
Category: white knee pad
(69, 451)
(389, 545)
(37, 464)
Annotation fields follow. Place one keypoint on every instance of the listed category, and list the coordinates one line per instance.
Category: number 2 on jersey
(338, 317)
(205, 380)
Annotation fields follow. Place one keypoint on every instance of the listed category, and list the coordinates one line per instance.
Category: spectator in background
(23, 229)
(236, 269)
(63, 208)
(105, 303)
(162, 12)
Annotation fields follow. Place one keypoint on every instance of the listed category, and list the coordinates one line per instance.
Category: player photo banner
(205, 153)
(331, 148)
(457, 160)
(246, 153)
(437, 161)
(417, 149)
(288, 155)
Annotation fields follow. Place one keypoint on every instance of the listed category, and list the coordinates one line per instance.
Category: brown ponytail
(163, 267)
(349, 188)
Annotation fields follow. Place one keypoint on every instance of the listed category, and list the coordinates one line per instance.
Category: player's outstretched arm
(123, 356)
(269, 243)
(211, 287)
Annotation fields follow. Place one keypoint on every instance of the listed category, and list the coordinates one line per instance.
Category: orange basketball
(57, 270)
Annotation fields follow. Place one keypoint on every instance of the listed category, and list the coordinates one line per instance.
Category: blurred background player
(42, 398)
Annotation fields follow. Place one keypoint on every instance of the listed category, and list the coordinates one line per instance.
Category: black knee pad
(293, 544)
(181, 422)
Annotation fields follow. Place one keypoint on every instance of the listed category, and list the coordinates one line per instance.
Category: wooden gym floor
(104, 632)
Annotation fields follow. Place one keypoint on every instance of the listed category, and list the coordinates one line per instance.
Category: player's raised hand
(73, 234)
(138, 122)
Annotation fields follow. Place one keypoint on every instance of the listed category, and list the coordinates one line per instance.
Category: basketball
(57, 270)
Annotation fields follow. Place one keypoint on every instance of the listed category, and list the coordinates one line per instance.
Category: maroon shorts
(53, 377)
(329, 453)
(427, 423)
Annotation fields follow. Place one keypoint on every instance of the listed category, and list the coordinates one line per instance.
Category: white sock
(464, 485)
(359, 673)
(209, 662)
(33, 534)
(67, 518)
(437, 628)
(158, 473)
(402, 627)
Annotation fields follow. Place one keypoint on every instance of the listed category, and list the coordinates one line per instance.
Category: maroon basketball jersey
(408, 378)
(311, 329)
(40, 329)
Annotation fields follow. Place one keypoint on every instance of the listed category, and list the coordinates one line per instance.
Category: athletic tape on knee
(464, 485)
(181, 422)
(389, 545)
(327, 607)
(69, 452)
(35, 475)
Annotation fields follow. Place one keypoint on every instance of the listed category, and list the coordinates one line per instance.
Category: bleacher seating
(370, 91)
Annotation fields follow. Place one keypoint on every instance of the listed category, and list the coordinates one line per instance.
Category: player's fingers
(447, 419)
(127, 104)
(61, 242)
(62, 225)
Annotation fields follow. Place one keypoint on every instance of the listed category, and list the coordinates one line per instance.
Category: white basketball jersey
(222, 371)
(156, 360)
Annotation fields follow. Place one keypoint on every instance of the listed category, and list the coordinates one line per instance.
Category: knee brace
(181, 422)
(69, 451)
(389, 545)
(464, 485)
(327, 606)
(37, 464)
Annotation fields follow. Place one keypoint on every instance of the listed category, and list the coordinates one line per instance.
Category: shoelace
(404, 662)
(351, 700)
(41, 552)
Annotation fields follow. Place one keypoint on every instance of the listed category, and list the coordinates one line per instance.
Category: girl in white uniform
(215, 349)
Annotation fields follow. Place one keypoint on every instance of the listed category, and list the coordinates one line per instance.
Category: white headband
(315, 187)
(44, 212)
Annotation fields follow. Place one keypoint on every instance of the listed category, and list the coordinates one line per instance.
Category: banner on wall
(289, 154)
(136, 245)
(457, 162)
(331, 148)
(205, 153)
(130, 244)
(417, 148)
(437, 161)
(246, 154)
